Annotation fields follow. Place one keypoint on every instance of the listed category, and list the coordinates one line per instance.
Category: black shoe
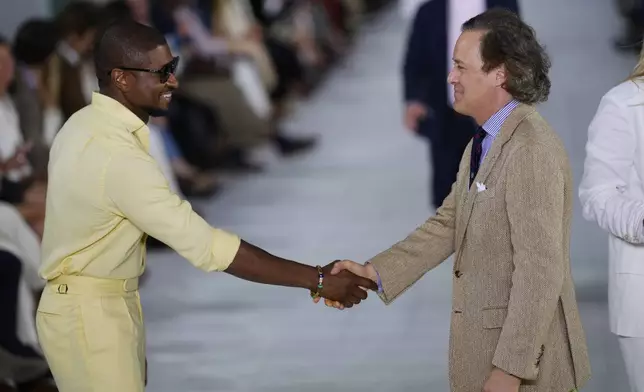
(290, 146)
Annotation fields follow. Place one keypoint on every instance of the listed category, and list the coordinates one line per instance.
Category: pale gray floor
(362, 190)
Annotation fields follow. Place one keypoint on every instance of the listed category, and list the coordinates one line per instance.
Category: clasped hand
(364, 275)
(343, 286)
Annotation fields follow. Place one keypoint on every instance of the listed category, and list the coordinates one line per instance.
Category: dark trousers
(10, 272)
(446, 150)
(287, 66)
(24, 361)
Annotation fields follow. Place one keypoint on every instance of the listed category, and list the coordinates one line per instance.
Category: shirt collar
(116, 110)
(493, 125)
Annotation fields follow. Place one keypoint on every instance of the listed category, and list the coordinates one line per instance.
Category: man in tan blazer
(515, 324)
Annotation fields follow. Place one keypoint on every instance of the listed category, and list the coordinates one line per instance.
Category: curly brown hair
(510, 42)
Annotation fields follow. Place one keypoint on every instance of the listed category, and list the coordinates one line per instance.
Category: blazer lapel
(507, 130)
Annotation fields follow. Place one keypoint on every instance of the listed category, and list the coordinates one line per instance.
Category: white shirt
(11, 138)
(459, 12)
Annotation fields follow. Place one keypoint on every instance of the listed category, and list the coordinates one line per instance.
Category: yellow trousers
(91, 332)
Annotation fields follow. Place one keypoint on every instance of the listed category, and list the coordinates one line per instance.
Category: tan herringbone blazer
(514, 303)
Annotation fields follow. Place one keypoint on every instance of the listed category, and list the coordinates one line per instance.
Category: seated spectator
(289, 22)
(306, 25)
(234, 21)
(37, 106)
(183, 178)
(17, 185)
(77, 24)
(216, 75)
(22, 365)
(13, 163)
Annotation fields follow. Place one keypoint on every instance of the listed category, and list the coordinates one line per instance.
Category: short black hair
(509, 41)
(77, 17)
(124, 43)
(35, 41)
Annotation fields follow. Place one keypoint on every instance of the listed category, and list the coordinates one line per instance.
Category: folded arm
(610, 153)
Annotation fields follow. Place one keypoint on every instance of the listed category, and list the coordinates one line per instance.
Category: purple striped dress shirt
(493, 126)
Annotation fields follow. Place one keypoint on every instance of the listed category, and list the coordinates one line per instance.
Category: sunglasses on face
(164, 72)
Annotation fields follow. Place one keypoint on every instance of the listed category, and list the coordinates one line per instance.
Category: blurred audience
(19, 185)
(36, 104)
(77, 25)
(22, 365)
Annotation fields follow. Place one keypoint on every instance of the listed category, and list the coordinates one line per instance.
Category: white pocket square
(480, 187)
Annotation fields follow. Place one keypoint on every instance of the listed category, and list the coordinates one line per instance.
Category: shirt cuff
(379, 282)
(225, 246)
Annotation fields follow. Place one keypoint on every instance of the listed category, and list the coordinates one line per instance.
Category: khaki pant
(242, 127)
(91, 332)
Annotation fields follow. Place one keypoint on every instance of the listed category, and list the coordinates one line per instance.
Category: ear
(120, 80)
(501, 76)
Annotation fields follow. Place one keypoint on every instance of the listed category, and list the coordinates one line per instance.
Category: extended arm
(138, 191)
(404, 263)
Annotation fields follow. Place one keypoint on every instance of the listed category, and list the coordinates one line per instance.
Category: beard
(155, 112)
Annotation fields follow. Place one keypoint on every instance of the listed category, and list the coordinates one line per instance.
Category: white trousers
(633, 354)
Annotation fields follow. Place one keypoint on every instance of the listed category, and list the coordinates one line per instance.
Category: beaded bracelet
(320, 281)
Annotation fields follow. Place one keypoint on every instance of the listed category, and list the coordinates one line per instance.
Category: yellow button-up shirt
(105, 192)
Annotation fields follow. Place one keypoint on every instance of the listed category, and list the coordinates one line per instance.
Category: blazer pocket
(483, 195)
(494, 316)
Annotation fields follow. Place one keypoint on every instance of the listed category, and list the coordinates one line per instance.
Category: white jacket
(612, 194)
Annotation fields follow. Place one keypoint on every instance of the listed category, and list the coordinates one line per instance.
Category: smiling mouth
(167, 96)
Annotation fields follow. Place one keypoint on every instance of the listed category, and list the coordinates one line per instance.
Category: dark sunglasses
(164, 72)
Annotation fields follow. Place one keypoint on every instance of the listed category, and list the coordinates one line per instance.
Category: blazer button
(458, 273)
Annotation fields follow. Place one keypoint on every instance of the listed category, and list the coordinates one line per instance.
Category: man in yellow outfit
(105, 195)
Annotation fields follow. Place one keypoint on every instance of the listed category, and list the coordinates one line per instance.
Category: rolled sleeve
(138, 191)
(224, 249)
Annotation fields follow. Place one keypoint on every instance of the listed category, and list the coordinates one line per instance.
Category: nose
(172, 82)
(451, 77)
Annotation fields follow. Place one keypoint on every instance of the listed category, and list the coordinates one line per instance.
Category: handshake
(345, 283)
